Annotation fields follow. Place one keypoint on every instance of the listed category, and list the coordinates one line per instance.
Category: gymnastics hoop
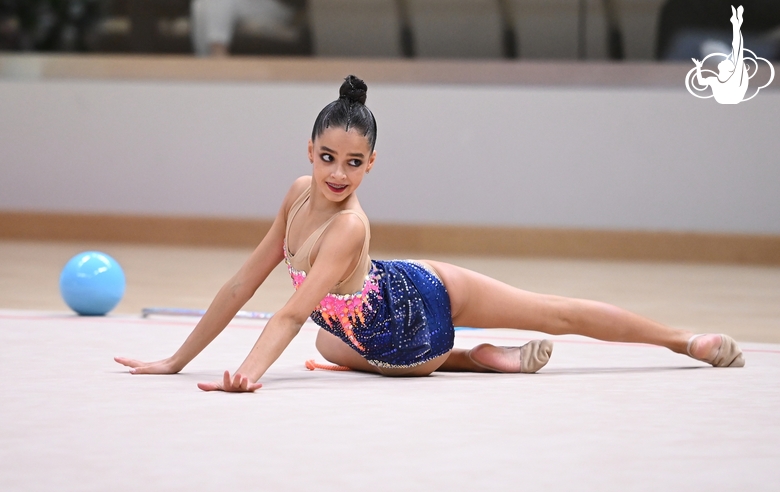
(198, 313)
(163, 311)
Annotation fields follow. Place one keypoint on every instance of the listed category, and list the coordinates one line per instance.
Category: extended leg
(736, 35)
(482, 302)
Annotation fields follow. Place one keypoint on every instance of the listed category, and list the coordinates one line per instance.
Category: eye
(326, 157)
(355, 162)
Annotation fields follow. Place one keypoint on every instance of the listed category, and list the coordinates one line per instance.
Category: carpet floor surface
(600, 416)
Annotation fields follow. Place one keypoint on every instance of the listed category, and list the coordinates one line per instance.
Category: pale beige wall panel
(355, 28)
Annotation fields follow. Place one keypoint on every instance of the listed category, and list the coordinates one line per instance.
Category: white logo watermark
(730, 84)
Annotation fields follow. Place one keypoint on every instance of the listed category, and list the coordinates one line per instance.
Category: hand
(697, 62)
(236, 384)
(164, 366)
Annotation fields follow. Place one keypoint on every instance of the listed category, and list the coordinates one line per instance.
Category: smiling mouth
(336, 188)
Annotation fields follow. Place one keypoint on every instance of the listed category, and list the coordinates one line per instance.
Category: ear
(311, 151)
(371, 161)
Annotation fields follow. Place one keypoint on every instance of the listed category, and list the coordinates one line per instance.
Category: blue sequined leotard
(398, 318)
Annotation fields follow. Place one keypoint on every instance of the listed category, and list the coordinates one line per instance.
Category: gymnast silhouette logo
(730, 84)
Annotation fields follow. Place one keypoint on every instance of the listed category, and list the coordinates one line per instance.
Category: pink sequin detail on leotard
(346, 309)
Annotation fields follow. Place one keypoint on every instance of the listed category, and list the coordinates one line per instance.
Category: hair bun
(353, 89)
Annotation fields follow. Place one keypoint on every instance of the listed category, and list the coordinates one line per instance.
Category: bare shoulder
(299, 185)
(297, 188)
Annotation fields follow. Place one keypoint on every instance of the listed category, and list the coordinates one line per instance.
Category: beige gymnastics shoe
(728, 355)
(527, 359)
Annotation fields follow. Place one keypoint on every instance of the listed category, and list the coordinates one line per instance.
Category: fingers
(244, 385)
(140, 367)
(128, 362)
(209, 386)
(240, 383)
(249, 387)
(235, 384)
(136, 366)
(226, 383)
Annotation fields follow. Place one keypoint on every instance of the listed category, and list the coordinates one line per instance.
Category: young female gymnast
(393, 318)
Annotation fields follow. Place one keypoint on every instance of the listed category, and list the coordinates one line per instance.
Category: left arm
(339, 246)
(702, 81)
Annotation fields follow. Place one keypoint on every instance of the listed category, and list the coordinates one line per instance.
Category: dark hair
(348, 111)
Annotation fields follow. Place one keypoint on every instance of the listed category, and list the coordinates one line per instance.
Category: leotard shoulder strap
(296, 206)
(301, 260)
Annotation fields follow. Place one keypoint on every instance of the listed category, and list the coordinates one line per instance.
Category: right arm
(702, 81)
(231, 297)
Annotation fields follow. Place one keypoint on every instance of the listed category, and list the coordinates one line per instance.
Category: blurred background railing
(633, 30)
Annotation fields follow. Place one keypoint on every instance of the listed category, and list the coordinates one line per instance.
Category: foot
(528, 359)
(736, 15)
(718, 350)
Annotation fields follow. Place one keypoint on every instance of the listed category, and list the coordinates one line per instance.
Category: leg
(482, 302)
(736, 37)
(460, 361)
(213, 22)
(337, 352)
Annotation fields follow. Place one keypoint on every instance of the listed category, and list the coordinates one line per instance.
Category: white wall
(652, 159)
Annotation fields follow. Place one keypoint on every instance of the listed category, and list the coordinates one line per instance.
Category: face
(339, 160)
(725, 67)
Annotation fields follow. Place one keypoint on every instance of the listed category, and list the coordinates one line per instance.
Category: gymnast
(731, 84)
(393, 318)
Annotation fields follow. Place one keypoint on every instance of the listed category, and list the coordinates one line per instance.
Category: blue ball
(92, 283)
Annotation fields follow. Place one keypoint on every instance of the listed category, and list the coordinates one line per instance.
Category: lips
(336, 188)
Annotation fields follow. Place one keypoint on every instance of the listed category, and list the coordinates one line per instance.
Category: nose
(339, 172)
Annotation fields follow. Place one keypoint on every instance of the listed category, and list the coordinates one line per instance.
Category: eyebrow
(354, 154)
